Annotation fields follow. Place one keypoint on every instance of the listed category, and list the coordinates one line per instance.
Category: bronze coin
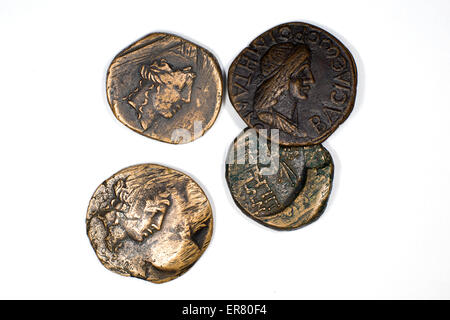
(284, 188)
(150, 222)
(166, 88)
(296, 78)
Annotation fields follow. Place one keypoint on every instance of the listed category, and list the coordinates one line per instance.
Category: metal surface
(163, 83)
(150, 222)
(293, 194)
(297, 78)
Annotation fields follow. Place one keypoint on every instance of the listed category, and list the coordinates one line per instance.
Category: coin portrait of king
(158, 223)
(287, 70)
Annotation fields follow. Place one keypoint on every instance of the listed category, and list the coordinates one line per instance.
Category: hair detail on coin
(161, 91)
(287, 68)
(275, 57)
(124, 219)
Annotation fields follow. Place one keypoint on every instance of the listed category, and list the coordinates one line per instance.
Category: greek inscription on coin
(296, 78)
(280, 187)
(166, 88)
(149, 222)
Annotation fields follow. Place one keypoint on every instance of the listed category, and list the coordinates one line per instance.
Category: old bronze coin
(150, 222)
(296, 78)
(166, 88)
(280, 187)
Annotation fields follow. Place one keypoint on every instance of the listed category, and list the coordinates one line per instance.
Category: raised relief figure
(150, 225)
(162, 91)
(287, 70)
(135, 215)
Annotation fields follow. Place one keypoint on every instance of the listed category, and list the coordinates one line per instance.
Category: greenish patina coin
(280, 187)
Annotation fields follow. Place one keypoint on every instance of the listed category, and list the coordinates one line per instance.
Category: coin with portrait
(150, 222)
(296, 78)
(166, 88)
(281, 187)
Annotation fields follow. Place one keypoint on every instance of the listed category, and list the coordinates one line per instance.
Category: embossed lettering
(258, 44)
(240, 105)
(246, 80)
(325, 43)
(247, 64)
(340, 78)
(239, 89)
(332, 114)
(332, 52)
(339, 64)
(285, 33)
(339, 96)
(318, 124)
(313, 37)
(335, 97)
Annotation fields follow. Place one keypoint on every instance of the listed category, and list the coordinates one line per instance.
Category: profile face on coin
(280, 187)
(166, 88)
(296, 78)
(149, 222)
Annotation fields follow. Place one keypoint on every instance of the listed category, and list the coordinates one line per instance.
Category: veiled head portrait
(286, 68)
(152, 223)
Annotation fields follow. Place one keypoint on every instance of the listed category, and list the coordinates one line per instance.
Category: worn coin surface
(150, 222)
(166, 88)
(280, 187)
(296, 78)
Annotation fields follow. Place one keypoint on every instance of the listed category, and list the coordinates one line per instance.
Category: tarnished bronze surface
(150, 222)
(163, 83)
(297, 78)
(285, 192)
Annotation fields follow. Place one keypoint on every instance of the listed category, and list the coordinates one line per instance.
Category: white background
(385, 233)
